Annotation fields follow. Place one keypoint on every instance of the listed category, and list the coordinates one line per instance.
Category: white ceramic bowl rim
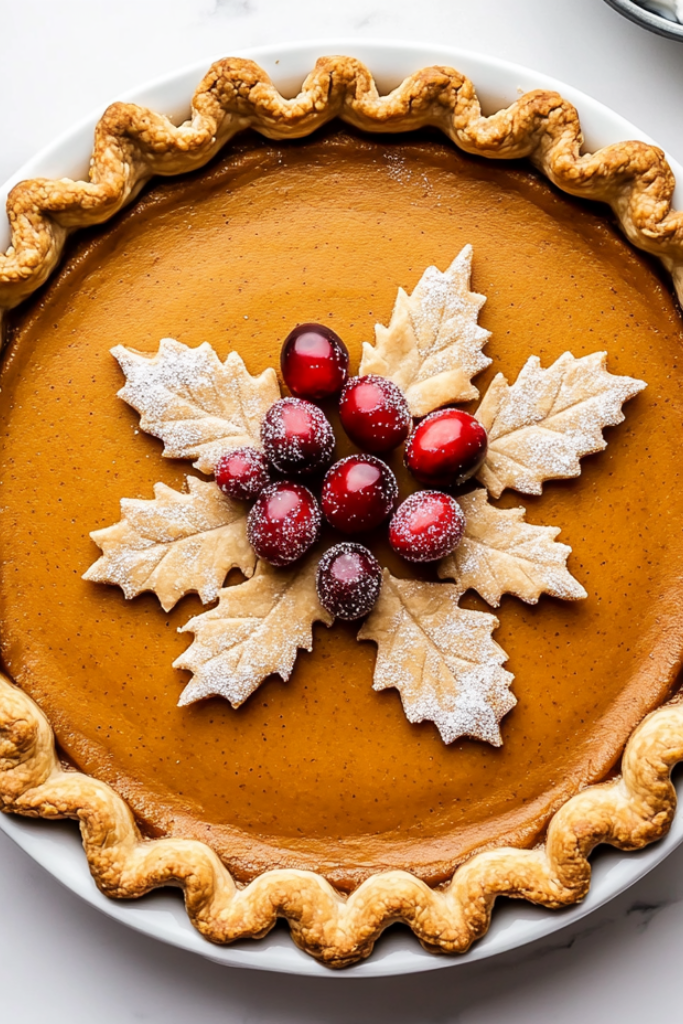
(56, 846)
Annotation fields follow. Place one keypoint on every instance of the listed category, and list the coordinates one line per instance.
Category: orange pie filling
(323, 772)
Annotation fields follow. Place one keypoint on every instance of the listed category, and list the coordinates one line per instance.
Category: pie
(317, 799)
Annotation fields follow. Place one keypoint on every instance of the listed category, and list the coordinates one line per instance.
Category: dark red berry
(283, 523)
(314, 361)
(374, 413)
(348, 581)
(426, 526)
(297, 437)
(242, 473)
(358, 493)
(446, 448)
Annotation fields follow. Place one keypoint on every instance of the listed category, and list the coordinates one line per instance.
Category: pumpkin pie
(314, 795)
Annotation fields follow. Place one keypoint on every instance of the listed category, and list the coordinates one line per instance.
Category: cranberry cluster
(359, 492)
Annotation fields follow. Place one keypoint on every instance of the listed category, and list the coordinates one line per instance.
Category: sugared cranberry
(358, 493)
(348, 581)
(446, 448)
(283, 523)
(314, 361)
(297, 437)
(426, 526)
(242, 473)
(374, 413)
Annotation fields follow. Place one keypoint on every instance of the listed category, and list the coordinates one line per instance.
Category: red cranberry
(428, 525)
(374, 413)
(314, 361)
(297, 437)
(348, 581)
(358, 493)
(283, 523)
(242, 473)
(446, 448)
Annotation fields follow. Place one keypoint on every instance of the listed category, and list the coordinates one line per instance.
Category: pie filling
(323, 772)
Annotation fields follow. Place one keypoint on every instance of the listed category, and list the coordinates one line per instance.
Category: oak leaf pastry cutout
(198, 406)
(441, 657)
(175, 544)
(255, 630)
(502, 554)
(433, 345)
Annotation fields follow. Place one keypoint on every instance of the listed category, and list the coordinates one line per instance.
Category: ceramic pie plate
(56, 846)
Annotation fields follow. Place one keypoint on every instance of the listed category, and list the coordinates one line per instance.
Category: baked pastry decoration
(441, 657)
(341, 860)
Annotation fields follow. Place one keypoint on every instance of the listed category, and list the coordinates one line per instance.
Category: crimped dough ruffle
(627, 812)
(132, 144)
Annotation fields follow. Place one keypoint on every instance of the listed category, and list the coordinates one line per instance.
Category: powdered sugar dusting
(426, 526)
(541, 426)
(355, 499)
(198, 406)
(374, 413)
(348, 581)
(297, 437)
(433, 345)
(501, 554)
(175, 544)
(255, 630)
(441, 658)
(284, 522)
(242, 473)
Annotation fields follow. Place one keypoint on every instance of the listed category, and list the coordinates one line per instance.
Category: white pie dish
(59, 850)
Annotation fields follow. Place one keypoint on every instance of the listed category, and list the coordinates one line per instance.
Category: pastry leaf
(433, 345)
(255, 630)
(174, 544)
(542, 425)
(198, 406)
(501, 554)
(441, 659)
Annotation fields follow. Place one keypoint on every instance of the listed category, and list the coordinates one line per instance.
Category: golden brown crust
(628, 813)
(132, 144)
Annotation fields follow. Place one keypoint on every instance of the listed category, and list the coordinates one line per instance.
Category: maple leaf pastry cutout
(432, 347)
(197, 405)
(175, 544)
(442, 658)
(256, 629)
(500, 553)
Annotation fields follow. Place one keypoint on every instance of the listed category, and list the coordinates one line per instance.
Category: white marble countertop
(60, 959)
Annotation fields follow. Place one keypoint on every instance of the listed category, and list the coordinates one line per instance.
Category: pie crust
(132, 145)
